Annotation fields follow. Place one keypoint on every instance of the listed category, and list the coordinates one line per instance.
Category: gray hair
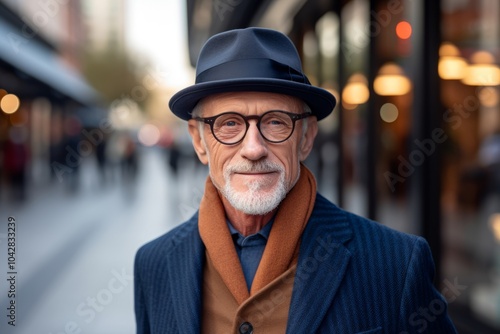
(198, 112)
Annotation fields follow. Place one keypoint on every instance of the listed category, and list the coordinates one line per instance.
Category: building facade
(42, 91)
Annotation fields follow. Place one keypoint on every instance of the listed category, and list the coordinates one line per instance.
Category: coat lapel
(323, 260)
(185, 277)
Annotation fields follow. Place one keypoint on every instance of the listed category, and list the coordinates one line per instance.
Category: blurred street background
(75, 250)
(93, 164)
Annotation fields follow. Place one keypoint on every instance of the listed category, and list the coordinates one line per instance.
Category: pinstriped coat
(353, 276)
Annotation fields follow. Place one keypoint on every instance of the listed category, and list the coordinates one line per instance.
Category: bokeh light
(495, 225)
(389, 113)
(482, 71)
(488, 96)
(356, 91)
(149, 135)
(403, 30)
(391, 81)
(10, 103)
(452, 68)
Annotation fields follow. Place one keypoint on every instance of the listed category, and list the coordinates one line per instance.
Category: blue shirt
(250, 249)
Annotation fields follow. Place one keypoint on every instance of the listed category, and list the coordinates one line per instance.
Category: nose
(253, 146)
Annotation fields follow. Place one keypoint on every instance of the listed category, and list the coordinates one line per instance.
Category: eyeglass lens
(275, 126)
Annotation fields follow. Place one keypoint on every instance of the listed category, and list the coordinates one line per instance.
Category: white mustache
(254, 167)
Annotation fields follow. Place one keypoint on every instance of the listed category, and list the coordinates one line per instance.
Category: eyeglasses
(275, 126)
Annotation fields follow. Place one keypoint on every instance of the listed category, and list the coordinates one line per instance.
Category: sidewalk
(75, 253)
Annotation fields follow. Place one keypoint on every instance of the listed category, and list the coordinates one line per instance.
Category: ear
(198, 144)
(307, 141)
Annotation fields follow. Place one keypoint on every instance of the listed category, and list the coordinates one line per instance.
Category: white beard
(255, 201)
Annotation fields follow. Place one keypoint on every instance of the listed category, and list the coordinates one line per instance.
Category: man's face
(254, 175)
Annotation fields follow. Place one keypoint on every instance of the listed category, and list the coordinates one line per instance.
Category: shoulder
(388, 271)
(160, 247)
(364, 235)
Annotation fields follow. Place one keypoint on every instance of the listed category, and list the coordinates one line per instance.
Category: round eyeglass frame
(211, 121)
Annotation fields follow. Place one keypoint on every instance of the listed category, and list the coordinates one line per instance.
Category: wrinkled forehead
(249, 103)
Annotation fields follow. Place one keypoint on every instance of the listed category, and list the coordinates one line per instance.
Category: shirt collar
(265, 231)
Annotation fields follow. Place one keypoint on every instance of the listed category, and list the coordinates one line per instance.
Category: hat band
(251, 68)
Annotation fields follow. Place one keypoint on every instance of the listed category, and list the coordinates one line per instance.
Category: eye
(229, 123)
(276, 120)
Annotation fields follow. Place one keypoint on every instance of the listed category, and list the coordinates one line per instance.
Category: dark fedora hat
(251, 59)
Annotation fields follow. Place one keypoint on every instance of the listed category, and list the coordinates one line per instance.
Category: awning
(40, 62)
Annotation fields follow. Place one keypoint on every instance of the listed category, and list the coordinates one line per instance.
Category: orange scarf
(282, 246)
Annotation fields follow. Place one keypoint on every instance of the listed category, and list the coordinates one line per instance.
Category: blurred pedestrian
(102, 161)
(15, 162)
(129, 159)
(73, 138)
(266, 253)
(174, 156)
(489, 159)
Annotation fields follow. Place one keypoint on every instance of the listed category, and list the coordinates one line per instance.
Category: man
(265, 253)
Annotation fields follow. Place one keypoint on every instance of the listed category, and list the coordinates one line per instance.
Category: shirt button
(246, 328)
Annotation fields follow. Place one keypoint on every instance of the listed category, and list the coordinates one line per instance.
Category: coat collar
(323, 260)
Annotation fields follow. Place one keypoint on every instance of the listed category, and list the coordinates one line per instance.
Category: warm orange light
(482, 71)
(452, 68)
(482, 57)
(10, 103)
(488, 96)
(403, 30)
(482, 75)
(451, 65)
(348, 106)
(356, 91)
(495, 225)
(391, 81)
(448, 49)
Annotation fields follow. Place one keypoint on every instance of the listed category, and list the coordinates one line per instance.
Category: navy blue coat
(353, 276)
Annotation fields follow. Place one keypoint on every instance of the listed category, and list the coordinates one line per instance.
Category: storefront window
(470, 79)
(320, 54)
(353, 58)
(417, 143)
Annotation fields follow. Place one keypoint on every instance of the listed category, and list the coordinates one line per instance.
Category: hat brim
(319, 100)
